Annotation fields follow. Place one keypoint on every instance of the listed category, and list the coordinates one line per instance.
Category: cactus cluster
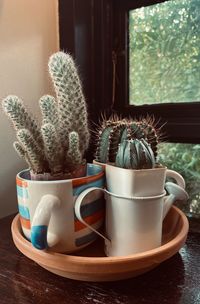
(128, 143)
(59, 144)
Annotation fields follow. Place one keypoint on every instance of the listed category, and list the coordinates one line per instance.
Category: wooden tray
(90, 264)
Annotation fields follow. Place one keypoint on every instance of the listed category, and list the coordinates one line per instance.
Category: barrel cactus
(113, 132)
(135, 154)
(58, 145)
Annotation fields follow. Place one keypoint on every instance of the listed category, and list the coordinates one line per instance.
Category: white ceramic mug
(47, 215)
(134, 222)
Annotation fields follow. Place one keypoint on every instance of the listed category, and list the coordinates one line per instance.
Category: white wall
(28, 36)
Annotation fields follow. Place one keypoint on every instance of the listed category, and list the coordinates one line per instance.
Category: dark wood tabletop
(176, 280)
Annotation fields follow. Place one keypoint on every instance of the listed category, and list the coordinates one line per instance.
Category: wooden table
(175, 281)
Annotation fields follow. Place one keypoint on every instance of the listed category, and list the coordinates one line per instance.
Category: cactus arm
(102, 152)
(74, 154)
(70, 97)
(19, 149)
(21, 152)
(21, 119)
(35, 154)
(48, 107)
(53, 148)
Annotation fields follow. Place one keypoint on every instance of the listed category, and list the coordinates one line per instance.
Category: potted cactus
(137, 197)
(54, 150)
(128, 149)
(55, 154)
(114, 132)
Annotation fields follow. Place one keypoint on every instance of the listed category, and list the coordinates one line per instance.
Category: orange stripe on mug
(87, 179)
(21, 183)
(92, 219)
(25, 223)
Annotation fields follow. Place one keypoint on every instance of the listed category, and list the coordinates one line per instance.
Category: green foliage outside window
(185, 159)
(164, 52)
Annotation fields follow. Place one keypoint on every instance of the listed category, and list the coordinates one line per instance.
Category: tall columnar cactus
(135, 154)
(70, 98)
(113, 132)
(59, 145)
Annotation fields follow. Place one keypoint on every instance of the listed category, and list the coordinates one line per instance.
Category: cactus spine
(59, 145)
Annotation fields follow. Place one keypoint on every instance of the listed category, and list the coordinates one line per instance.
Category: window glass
(185, 159)
(164, 53)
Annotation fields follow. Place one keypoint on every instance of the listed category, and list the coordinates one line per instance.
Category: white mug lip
(63, 181)
(161, 168)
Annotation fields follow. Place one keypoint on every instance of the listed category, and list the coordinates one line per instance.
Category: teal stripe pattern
(92, 208)
(99, 183)
(24, 212)
(22, 192)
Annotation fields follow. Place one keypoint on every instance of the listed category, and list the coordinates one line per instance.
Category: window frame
(182, 119)
(105, 25)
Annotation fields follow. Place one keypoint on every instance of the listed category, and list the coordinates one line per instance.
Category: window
(159, 75)
(157, 46)
(164, 53)
(185, 159)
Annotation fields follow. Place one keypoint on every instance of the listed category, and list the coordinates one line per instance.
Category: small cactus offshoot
(60, 143)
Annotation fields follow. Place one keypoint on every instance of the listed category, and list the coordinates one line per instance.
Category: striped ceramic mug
(47, 215)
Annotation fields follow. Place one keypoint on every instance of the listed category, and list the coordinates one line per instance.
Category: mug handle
(176, 192)
(40, 222)
(77, 209)
(178, 178)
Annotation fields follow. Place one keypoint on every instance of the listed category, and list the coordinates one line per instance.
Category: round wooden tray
(90, 264)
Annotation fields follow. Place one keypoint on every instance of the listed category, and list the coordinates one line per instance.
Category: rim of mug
(160, 167)
(100, 173)
(136, 197)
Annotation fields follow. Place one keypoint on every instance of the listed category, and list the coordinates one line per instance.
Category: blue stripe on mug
(99, 183)
(24, 212)
(39, 236)
(86, 239)
(22, 192)
(91, 208)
